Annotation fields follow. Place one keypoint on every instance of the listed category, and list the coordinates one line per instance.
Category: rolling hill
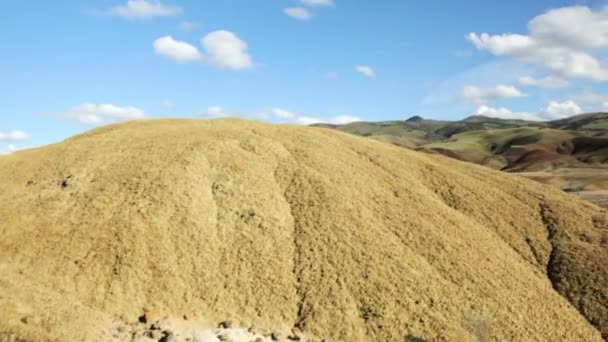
(288, 227)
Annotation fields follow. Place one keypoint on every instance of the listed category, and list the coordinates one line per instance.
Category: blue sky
(74, 65)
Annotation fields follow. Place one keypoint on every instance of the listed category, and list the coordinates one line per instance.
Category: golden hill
(284, 226)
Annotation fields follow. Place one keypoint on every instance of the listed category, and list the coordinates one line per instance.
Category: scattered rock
(168, 336)
(296, 335)
(29, 320)
(228, 324)
(277, 336)
(155, 335)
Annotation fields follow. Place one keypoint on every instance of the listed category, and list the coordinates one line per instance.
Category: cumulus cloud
(303, 13)
(177, 50)
(225, 49)
(560, 110)
(365, 70)
(144, 9)
(336, 120)
(13, 136)
(98, 114)
(343, 119)
(222, 49)
(504, 113)
(215, 112)
(298, 13)
(220, 112)
(308, 120)
(483, 95)
(549, 82)
(282, 113)
(317, 3)
(562, 40)
(554, 111)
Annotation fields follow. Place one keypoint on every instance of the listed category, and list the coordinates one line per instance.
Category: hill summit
(289, 227)
(415, 118)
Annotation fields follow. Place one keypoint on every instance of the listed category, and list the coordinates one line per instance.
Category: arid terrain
(571, 154)
(290, 230)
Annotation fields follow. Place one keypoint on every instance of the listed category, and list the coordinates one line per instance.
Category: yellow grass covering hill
(282, 226)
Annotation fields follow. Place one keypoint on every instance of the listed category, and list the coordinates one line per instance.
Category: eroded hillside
(286, 226)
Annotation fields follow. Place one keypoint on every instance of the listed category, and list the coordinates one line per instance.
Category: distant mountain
(514, 145)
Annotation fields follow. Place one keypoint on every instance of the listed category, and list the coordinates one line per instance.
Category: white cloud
(365, 70)
(562, 40)
(343, 119)
(504, 44)
(336, 120)
(504, 113)
(332, 75)
(225, 49)
(560, 110)
(483, 95)
(188, 25)
(549, 82)
(144, 9)
(97, 114)
(282, 113)
(298, 13)
(317, 3)
(177, 50)
(222, 49)
(276, 114)
(307, 120)
(13, 136)
(220, 112)
(554, 111)
(575, 26)
(168, 103)
(216, 112)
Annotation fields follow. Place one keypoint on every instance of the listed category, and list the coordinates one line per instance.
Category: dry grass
(285, 226)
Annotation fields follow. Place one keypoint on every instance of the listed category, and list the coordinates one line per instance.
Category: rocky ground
(153, 326)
